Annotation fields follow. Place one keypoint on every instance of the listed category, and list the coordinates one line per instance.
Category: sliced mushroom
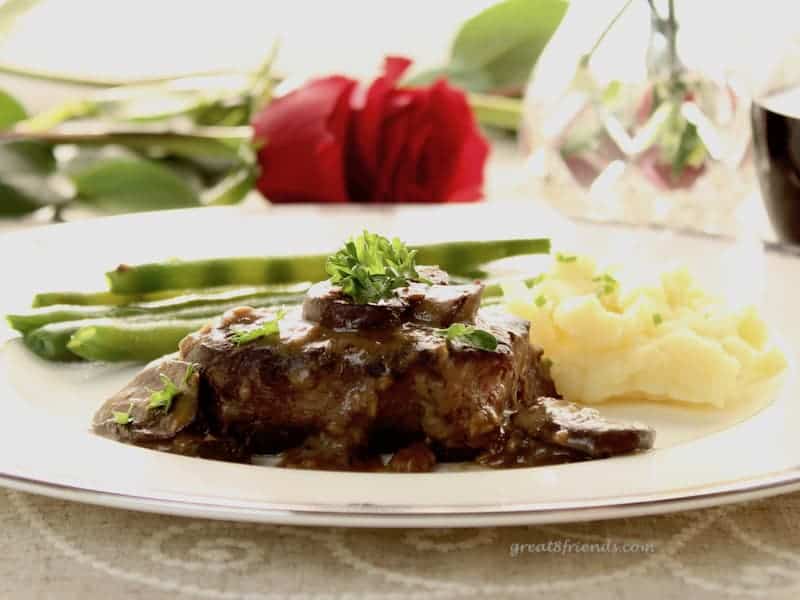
(569, 425)
(145, 423)
(435, 304)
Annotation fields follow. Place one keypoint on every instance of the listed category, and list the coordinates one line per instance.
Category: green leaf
(220, 148)
(26, 157)
(689, 148)
(24, 171)
(606, 283)
(163, 398)
(370, 267)
(611, 92)
(426, 77)
(231, 189)
(182, 97)
(132, 185)
(17, 199)
(266, 329)
(11, 111)
(122, 417)
(469, 336)
(229, 113)
(496, 111)
(10, 11)
(497, 49)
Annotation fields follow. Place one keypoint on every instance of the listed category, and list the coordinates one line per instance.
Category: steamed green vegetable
(99, 298)
(151, 307)
(39, 317)
(216, 272)
(131, 340)
(189, 306)
(178, 296)
(50, 342)
(458, 258)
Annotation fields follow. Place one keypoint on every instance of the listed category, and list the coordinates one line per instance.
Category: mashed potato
(667, 342)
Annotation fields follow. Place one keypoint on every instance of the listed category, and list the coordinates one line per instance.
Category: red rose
(334, 140)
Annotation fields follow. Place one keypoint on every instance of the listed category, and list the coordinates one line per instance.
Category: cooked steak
(346, 384)
(339, 384)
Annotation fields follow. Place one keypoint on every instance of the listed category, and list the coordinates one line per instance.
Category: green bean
(50, 342)
(196, 305)
(44, 299)
(216, 271)
(39, 317)
(100, 298)
(465, 258)
(228, 295)
(116, 341)
(135, 338)
(215, 309)
(460, 258)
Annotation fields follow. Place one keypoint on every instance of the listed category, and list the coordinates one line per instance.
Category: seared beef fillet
(342, 383)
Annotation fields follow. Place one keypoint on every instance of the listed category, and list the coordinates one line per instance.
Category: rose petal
(459, 152)
(305, 135)
(370, 104)
(395, 129)
(412, 179)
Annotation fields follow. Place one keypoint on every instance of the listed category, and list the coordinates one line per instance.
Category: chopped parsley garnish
(469, 336)
(266, 329)
(657, 320)
(188, 375)
(607, 284)
(540, 301)
(123, 417)
(163, 398)
(370, 267)
(537, 280)
(566, 258)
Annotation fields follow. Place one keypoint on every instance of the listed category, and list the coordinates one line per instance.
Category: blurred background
(54, 51)
(120, 40)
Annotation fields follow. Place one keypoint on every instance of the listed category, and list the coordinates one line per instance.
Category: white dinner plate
(702, 456)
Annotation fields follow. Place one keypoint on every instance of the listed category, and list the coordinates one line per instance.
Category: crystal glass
(628, 130)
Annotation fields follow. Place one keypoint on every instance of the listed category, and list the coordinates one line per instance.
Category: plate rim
(398, 516)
